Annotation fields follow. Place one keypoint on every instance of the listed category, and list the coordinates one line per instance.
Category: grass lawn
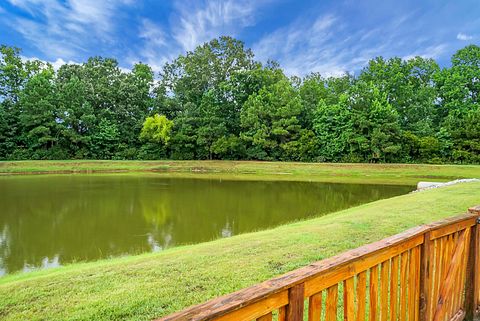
(407, 174)
(152, 285)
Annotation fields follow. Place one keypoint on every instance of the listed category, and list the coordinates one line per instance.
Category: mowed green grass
(408, 174)
(153, 285)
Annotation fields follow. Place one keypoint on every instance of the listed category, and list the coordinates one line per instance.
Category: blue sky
(330, 37)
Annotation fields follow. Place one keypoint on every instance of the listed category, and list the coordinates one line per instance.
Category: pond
(51, 220)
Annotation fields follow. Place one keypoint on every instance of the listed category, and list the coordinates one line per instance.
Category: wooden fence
(428, 273)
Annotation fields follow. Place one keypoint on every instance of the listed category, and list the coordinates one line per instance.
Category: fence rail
(428, 273)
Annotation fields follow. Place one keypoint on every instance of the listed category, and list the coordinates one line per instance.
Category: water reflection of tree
(77, 218)
(201, 210)
(91, 217)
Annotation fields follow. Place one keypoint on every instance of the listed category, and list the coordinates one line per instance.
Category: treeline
(218, 102)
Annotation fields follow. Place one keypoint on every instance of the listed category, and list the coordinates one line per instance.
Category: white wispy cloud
(326, 44)
(56, 64)
(192, 23)
(60, 62)
(154, 48)
(304, 46)
(434, 52)
(329, 42)
(71, 28)
(152, 33)
(63, 28)
(464, 37)
(195, 23)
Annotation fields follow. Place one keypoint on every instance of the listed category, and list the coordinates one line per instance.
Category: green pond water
(50, 220)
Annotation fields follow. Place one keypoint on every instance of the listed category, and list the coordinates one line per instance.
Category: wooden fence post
(472, 288)
(425, 277)
(295, 303)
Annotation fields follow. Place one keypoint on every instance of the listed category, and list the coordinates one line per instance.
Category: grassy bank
(408, 174)
(152, 285)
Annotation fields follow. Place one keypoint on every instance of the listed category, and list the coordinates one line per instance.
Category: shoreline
(391, 174)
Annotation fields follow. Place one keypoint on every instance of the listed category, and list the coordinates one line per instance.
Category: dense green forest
(218, 102)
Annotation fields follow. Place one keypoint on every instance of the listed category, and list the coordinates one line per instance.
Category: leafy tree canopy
(157, 129)
(218, 102)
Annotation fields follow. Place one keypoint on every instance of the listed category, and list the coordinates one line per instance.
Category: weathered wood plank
(325, 280)
(452, 228)
(442, 270)
(394, 289)
(451, 220)
(475, 210)
(349, 299)
(412, 279)
(266, 317)
(472, 275)
(331, 303)
(258, 309)
(282, 313)
(384, 280)
(417, 283)
(436, 273)
(445, 292)
(373, 295)
(456, 277)
(361, 296)
(426, 278)
(460, 274)
(463, 275)
(403, 286)
(295, 305)
(315, 307)
(459, 304)
(476, 262)
(448, 300)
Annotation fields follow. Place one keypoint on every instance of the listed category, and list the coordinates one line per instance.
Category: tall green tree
(155, 134)
(76, 112)
(40, 119)
(315, 89)
(332, 127)
(157, 129)
(197, 88)
(185, 132)
(270, 121)
(409, 88)
(190, 76)
(13, 76)
(459, 93)
(134, 102)
(376, 131)
(106, 138)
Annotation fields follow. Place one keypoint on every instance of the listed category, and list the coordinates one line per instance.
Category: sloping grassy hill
(153, 285)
